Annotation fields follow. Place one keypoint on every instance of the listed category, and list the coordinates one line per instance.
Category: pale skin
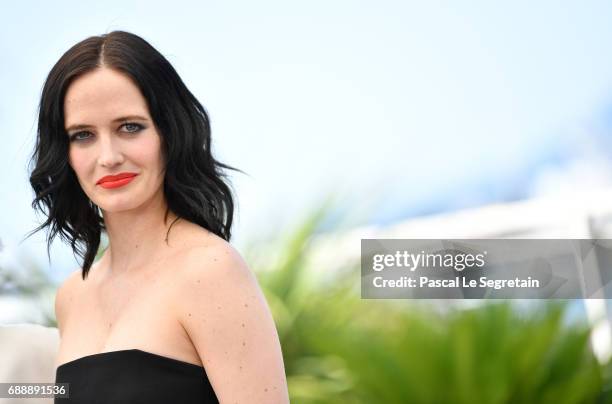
(192, 298)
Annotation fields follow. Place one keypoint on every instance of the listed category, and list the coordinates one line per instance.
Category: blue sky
(404, 107)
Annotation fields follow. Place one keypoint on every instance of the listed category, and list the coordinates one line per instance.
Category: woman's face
(111, 132)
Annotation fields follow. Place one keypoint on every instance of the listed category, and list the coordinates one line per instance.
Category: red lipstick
(116, 181)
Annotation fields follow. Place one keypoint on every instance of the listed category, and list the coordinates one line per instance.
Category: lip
(115, 181)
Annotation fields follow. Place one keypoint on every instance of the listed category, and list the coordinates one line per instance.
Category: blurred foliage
(29, 282)
(339, 348)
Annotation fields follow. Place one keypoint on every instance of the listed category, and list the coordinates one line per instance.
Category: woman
(170, 313)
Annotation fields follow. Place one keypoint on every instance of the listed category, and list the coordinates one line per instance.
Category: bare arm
(224, 312)
(63, 299)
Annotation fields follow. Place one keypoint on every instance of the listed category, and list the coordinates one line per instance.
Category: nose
(110, 154)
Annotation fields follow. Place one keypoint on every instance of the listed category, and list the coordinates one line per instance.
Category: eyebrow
(121, 119)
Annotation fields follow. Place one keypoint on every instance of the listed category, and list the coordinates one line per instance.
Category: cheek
(150, 153)
(78, 161)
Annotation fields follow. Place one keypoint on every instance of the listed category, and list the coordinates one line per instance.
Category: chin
(117, 207)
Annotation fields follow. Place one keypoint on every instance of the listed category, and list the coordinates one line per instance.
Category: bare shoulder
(213, 257)
(217, 270)
(64, 295)
(223, 310)
(68, 287)
(204, 255)
(211, 273)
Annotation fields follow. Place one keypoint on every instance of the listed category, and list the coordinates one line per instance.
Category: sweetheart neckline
(136, 350)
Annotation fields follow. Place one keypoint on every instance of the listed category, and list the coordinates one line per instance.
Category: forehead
(100, 95)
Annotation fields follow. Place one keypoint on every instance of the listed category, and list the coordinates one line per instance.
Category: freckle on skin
(246, 305)
(243, 325)
(243, 343)
(189, 314)
(219, 307)
(265, 389)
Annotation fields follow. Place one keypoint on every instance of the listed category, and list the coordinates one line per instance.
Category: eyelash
(139, 127)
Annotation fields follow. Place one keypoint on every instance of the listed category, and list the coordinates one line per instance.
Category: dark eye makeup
(76, 137)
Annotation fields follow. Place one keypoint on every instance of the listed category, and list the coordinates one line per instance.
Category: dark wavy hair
(195, 186)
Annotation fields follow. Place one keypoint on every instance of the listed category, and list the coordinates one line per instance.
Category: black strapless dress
(133, 376)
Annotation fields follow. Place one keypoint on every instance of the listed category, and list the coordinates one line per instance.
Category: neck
(136, 236)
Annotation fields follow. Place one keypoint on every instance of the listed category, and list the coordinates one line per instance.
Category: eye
(133, 127)
(77, 136)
